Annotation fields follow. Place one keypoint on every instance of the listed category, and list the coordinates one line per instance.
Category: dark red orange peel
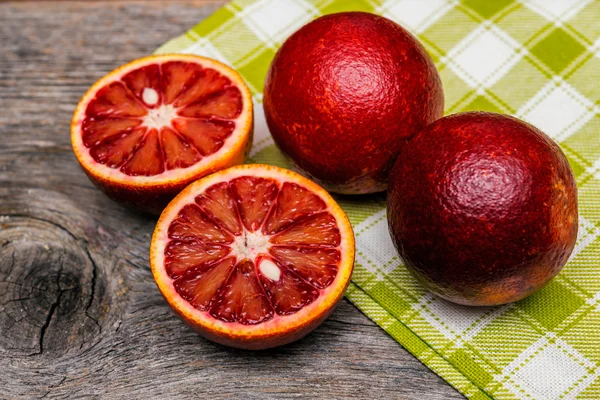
(343, 95)
(482, 208)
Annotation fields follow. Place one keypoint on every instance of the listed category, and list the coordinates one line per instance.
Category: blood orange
(253, 256)
(343, 96)
(146, 130)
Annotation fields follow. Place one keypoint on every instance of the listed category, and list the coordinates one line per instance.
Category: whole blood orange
(253, 256)
(146, 130)
(482, 208)
(343, 95)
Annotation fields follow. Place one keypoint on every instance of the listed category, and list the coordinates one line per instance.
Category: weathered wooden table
(80, 316)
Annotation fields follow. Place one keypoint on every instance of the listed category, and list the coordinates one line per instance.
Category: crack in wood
(93, 290)
(13, 300)
(83, 244)
(353, 323)
(53, 387)
(12, 265)
(119, 322)
(51, 312)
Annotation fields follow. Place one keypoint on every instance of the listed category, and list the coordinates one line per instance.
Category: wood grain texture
(80, 316)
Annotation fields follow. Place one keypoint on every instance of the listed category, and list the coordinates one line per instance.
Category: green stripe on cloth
(538, 60)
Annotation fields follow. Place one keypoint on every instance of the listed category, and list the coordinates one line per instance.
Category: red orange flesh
(253, 256)
(149, 128)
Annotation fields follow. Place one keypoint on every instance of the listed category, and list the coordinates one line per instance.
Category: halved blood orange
(146, 130)
(253, 256)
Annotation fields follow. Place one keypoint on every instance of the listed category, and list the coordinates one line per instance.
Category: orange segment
(320, 229)
(178, 152)
(318, 266)
(293, 203)
(177, 77)
(115, 152)
(193, 224)
(282, 285)
(182, 256)
(241, 299)
(97, 131)
(199, 285)
(147, 158)
(218, 202)
(289, 293)
(226, 104)
(146, 130)
(205, 82)
(214, 133)
(139, 82)
(254, 198)
(115, 100)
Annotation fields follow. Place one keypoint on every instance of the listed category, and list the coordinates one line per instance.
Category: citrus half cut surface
(253, 256)
(146, 130)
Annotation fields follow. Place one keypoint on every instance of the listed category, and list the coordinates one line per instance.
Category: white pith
(150, 96)
(279, 323)
(233, 145)
(250, 245)
(160, 117)
(270, 270)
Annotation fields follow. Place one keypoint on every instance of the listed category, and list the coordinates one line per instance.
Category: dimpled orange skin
(482, 208)
(344, 93)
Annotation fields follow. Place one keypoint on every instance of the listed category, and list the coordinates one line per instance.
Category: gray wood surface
(80, 316)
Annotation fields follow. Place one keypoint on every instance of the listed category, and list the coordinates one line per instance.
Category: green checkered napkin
(538, 60)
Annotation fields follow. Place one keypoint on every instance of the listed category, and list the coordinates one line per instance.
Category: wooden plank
(80, 316)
